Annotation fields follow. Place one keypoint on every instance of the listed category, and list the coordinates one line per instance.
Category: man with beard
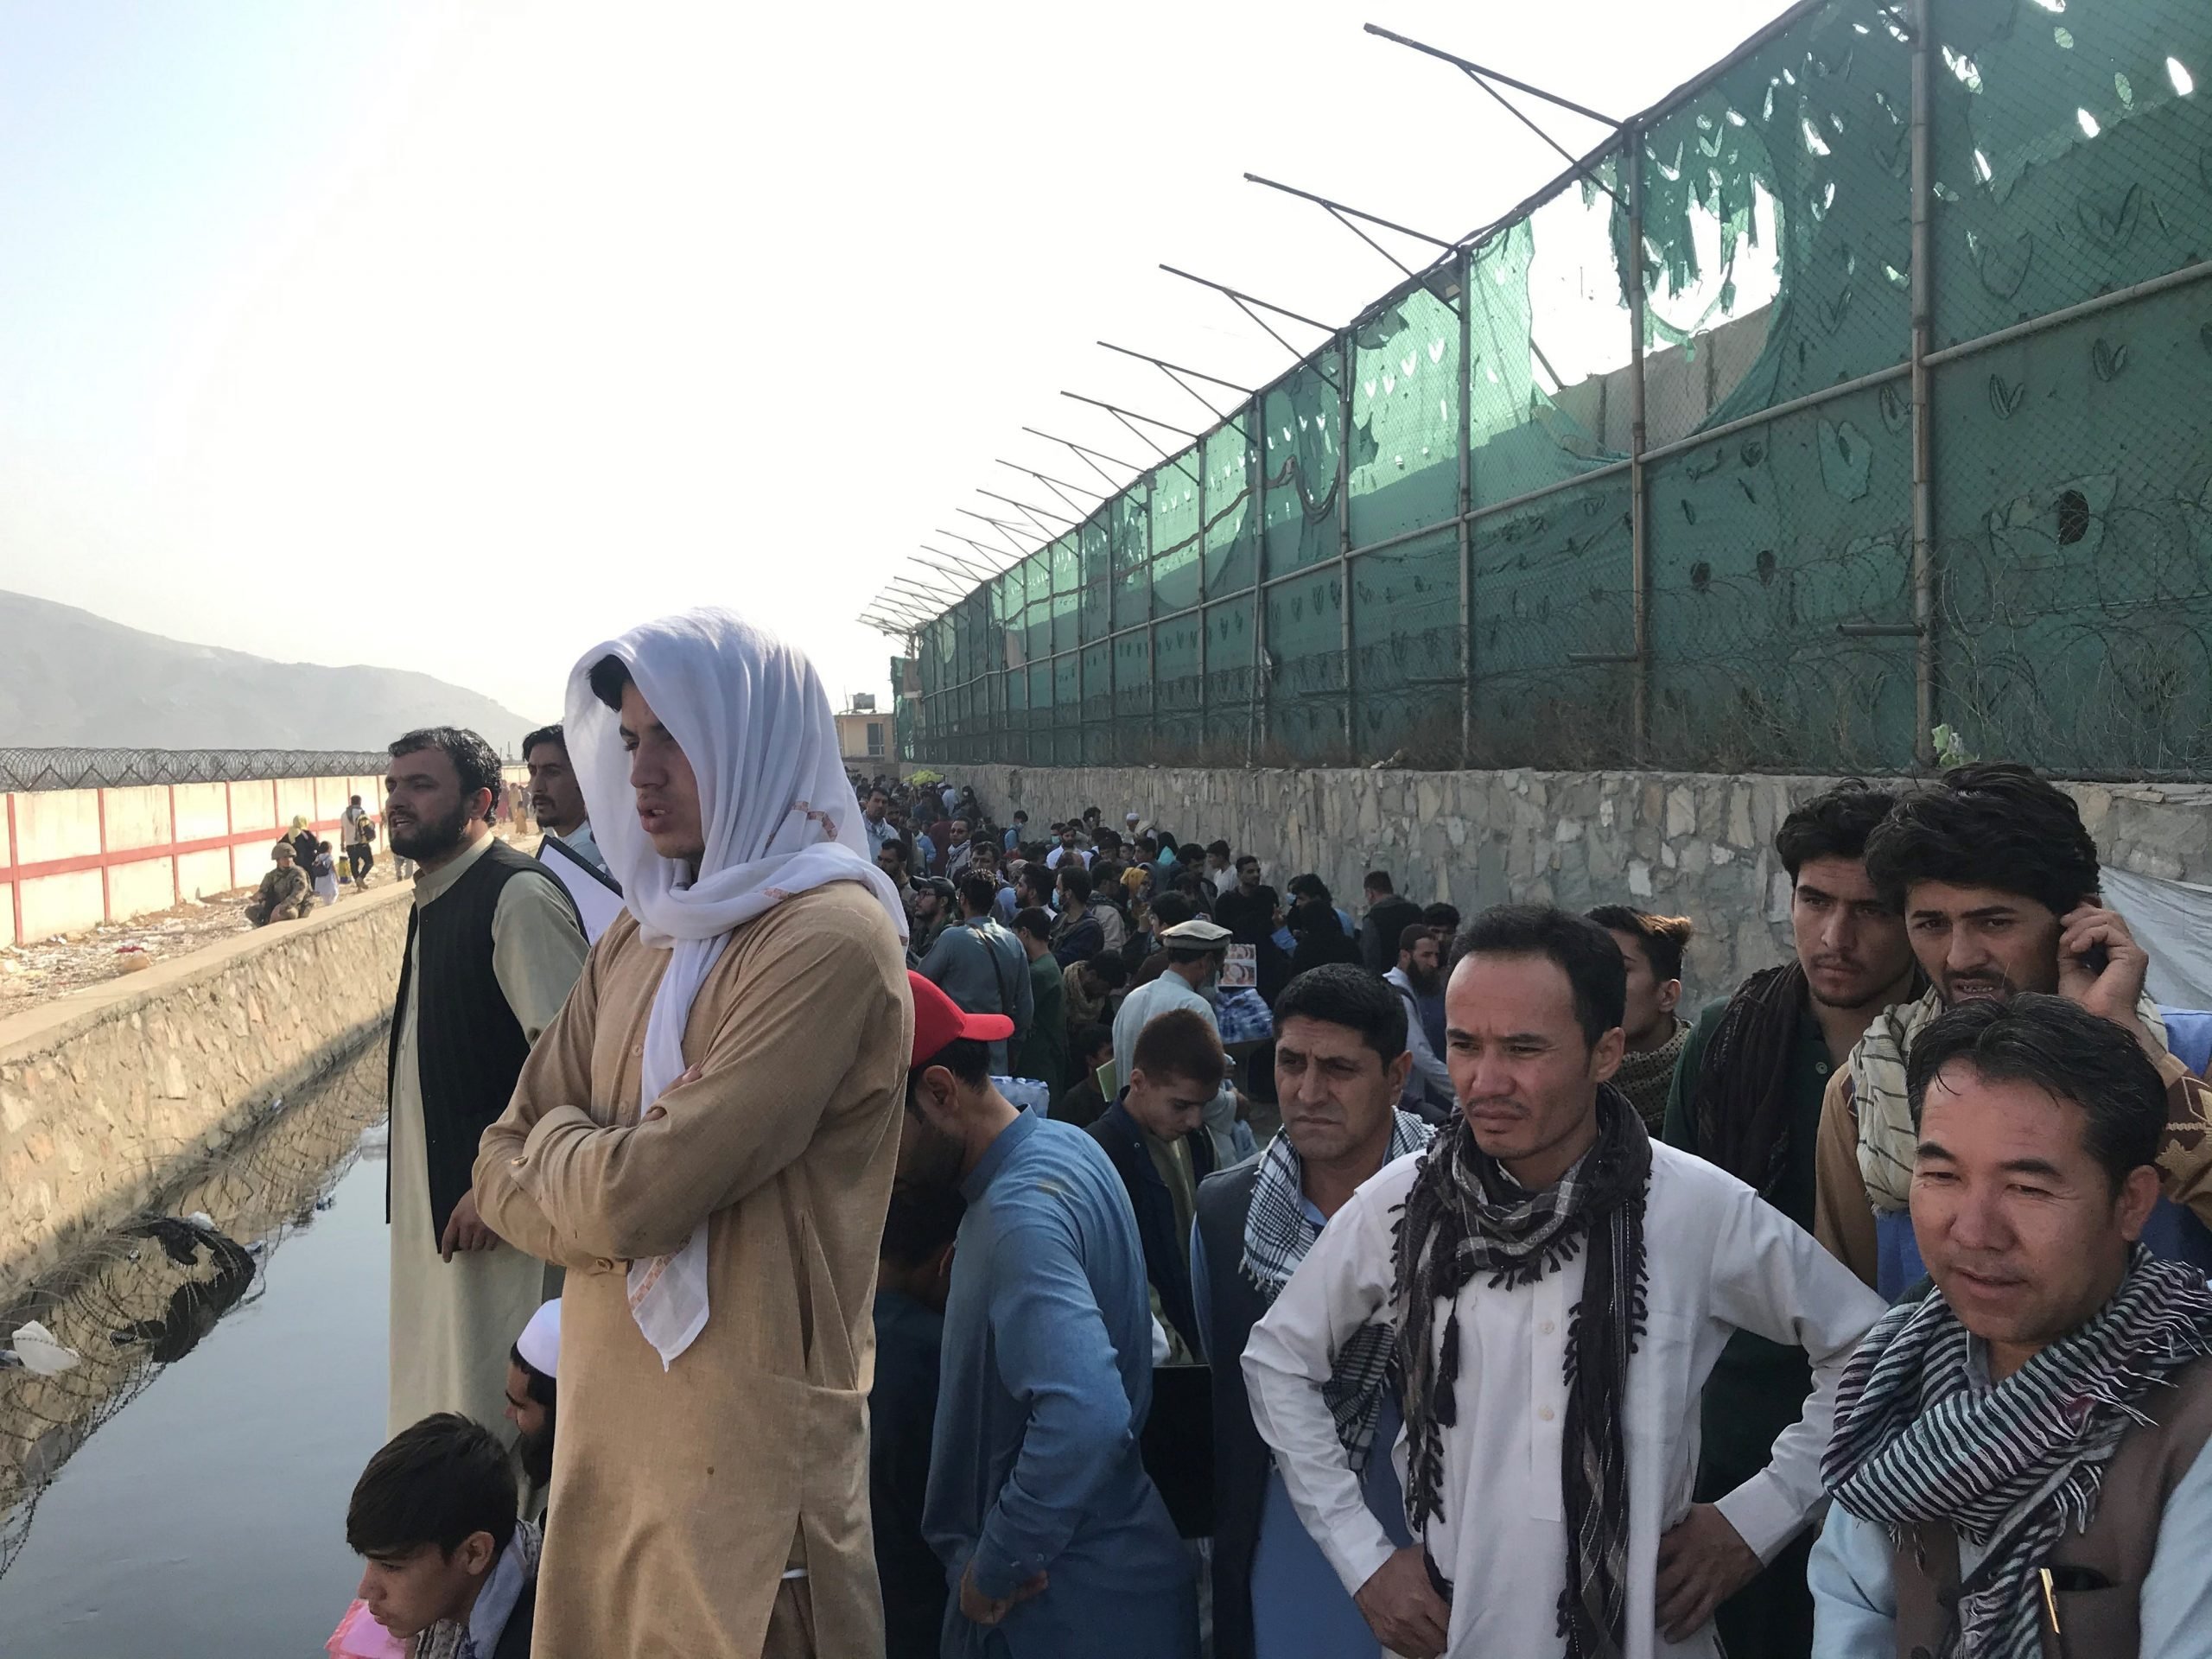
(1746, 1095)
(556, 800)
(1340, 1065)
(533, 1400)
(959, 851)
(1997, 879)
(1419, 974)
(1248, 911)
(1055, 1541)
(1560, 1288)
(493, 947)
(875, 822)
(1385, 924)
(931, 906)
(1067, 852)
(705, 1141)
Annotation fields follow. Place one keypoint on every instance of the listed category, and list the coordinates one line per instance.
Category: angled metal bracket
(1244, 302)
(1175, 371)
(1491, 79)
(1344, 215)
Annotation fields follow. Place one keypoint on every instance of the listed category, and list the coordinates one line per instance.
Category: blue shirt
(1300, 1608)
(1046, 1383)
(983, 967)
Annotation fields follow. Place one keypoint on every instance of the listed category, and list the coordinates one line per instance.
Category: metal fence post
(1639, 516)
(1200, 451)
(1150, 638)
(1923, 476)
(1345, 356)
(1466, 275)
(1256, 728)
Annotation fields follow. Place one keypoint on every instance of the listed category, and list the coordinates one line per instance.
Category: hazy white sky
(507, 325)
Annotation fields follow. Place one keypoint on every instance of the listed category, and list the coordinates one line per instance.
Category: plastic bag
(359, 1636)
(43, 1356)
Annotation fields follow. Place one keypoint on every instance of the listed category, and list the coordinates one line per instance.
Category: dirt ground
(39, 970)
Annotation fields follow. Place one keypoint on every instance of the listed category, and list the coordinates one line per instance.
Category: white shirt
(1139, 1009)
(1146, 1004)
(1719, 1258)
(1430, 1080)
(1052, 859)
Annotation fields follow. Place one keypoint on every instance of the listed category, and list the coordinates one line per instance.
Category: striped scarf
(1887, 1141)
(1277, 1235)
(2012, 1467)
(1464, 1217)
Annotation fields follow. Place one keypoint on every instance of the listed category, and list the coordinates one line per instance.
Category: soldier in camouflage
(285, 894)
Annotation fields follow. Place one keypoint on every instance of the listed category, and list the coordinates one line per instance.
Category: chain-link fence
(40, 769)
(144, 1295)
(1855, 390)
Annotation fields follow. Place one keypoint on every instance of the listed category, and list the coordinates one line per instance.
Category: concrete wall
(1691, 844)
(104, 1093)
(73, 858)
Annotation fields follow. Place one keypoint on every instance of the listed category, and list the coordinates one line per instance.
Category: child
(448, 1564)
(326, 874)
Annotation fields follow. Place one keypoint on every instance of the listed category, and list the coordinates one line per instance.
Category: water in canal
(182, 1492)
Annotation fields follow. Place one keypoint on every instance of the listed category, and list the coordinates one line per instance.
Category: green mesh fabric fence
(1631, 477)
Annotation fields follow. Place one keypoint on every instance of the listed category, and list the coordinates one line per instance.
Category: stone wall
(104, 1095)
(1691, 844)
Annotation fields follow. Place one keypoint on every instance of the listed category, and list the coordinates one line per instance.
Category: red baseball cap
(939, 1021)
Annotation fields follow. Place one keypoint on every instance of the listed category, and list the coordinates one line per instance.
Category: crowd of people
(948, 1236)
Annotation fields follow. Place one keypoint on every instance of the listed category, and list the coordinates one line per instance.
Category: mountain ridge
(70, 678)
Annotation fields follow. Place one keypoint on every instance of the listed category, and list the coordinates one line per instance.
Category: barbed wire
(33, 770)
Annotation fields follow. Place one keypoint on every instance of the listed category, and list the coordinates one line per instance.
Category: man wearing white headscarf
(705, 1138)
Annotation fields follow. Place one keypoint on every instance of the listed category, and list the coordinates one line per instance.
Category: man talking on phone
(1998, 880)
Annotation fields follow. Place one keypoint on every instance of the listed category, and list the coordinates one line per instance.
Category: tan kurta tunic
(681, 1495)
(452, 1322)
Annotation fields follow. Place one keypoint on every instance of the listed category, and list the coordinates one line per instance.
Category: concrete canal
(182, 1489)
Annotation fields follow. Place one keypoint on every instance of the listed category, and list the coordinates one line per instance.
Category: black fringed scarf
(1464, 1216)
(1744, 1100)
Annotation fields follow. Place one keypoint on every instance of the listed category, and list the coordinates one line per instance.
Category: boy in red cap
(1049, 1530)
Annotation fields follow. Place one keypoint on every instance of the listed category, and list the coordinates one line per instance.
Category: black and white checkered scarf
(2012, 1467)
(1465, 1217)
(1278, 1234)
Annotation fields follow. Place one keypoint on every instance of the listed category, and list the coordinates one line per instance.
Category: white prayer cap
(540, 1341)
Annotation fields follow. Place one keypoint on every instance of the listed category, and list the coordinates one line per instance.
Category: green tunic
(1044, 1053)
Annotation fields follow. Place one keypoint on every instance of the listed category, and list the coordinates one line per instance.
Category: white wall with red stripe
(73, 858)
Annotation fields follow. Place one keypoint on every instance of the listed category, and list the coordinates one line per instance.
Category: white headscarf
(780, 818)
